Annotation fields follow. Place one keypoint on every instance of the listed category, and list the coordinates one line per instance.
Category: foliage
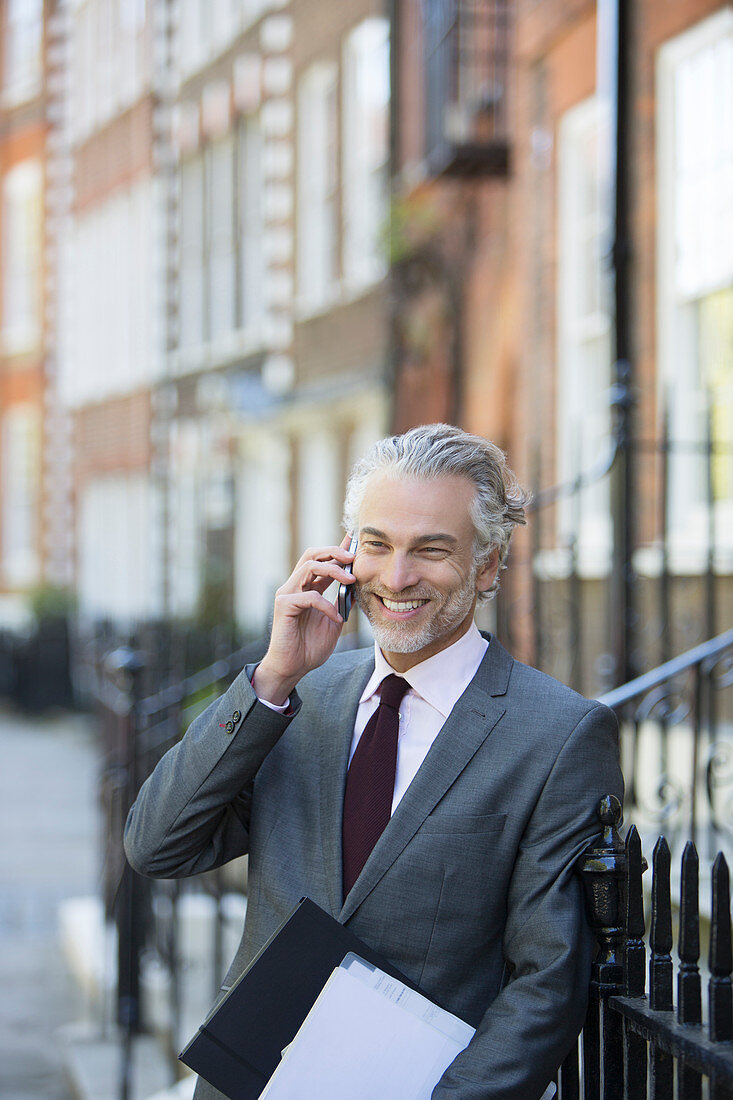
(413, 223)
(51, 601)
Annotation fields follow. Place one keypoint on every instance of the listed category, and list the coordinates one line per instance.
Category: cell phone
(346, 591)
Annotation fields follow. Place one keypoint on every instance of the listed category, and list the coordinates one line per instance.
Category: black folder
(239, 1044)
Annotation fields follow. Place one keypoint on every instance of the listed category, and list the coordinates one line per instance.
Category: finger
(326, 553)
(316, 575)
(295, 603)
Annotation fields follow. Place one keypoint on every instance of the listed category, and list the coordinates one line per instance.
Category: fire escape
(466, 63)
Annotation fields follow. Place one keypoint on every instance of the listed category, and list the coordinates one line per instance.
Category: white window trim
(218, 36)
(688, 549)
(23, 183)
(315, 85)
(21, 441)
(14, 94)
(359, 273)
(594, 532)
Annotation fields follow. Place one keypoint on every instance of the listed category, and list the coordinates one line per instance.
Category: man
(465, 877)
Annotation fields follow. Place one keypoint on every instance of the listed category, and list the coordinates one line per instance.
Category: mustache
(422, 592)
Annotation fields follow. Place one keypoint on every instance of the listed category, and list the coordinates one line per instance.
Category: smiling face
(417, 581)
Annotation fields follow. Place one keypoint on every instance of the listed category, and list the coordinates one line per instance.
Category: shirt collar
(441, 679)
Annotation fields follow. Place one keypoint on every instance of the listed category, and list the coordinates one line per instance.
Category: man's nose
(400, 573)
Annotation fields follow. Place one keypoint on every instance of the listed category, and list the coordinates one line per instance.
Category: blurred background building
(524, 261)
(242, 239)
(24, 286)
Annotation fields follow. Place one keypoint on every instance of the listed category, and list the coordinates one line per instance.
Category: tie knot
(392, 690)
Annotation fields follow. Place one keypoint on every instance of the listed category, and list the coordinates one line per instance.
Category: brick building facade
(278, 372)
(219, 338)
(22, 314)
(532, 308)
(221, 283)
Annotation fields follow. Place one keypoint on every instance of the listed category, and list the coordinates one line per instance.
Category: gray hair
(442, 450)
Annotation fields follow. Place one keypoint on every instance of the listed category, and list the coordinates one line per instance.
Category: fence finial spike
(689, 1005)
(720, 995)
(660, 936)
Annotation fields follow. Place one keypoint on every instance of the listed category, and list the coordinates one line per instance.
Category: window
(192, 253)
(194, 32)
(184, 489)
(319, 473)
(695, 277)
(221, 238)
(20, 494)
(365, 151)
(21, 231)
(584, 338)
(262, 531)
(317, 185)
(107, 309)
(110, 61)
(207, 27)
(23, 48)
(118, 573)
(220, 241)
(251, 261)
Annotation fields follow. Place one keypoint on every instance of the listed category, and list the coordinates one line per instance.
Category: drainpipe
(619, 47)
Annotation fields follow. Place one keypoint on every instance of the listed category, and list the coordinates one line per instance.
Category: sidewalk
(54, 1044)
(48, 822)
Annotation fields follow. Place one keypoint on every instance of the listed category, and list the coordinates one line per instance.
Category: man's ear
(487, 573)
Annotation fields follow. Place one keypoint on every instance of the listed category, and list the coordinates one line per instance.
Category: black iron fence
(677, 748)
(561, 601)
(175, 939)
(636, 1044)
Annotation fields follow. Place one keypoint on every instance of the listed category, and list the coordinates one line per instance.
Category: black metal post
(535, 532)
(635, 1053)
(602, 871)
(689, 996)
(661, 1069)
(125, 665)
(623, 481)
(720, 986)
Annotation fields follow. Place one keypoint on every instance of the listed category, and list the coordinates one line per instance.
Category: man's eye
(433, 551)
(374, 544)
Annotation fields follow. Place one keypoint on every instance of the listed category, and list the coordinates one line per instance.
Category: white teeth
(402, 605)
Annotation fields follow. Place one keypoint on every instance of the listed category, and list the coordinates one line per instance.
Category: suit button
(229, 727)
(236, 716)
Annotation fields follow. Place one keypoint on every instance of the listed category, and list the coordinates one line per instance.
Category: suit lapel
(469, 724)
(340, 705)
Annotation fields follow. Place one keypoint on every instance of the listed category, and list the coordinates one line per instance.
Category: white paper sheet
(368, 1035)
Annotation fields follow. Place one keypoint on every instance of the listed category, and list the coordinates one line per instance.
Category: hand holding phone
(305, 624)
(346, 591)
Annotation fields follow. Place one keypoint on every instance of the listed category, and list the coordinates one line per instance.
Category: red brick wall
(113, 157)
(509, 232)
(113, 436)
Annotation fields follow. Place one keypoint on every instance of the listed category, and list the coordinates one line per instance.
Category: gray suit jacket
(471, 889)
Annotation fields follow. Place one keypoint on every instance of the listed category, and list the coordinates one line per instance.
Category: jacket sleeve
(548, 945)
(192, 813)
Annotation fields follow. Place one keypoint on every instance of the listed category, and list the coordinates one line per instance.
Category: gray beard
(405, 638)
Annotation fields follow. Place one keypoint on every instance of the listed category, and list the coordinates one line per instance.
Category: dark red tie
(370, 780)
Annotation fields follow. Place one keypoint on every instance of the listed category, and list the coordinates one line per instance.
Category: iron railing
(633, 1045)
(173, 937)
(181, 934)
(677, 746)
(558, 600)
(467, 54)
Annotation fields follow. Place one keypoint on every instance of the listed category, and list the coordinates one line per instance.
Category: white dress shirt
(436, 685)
